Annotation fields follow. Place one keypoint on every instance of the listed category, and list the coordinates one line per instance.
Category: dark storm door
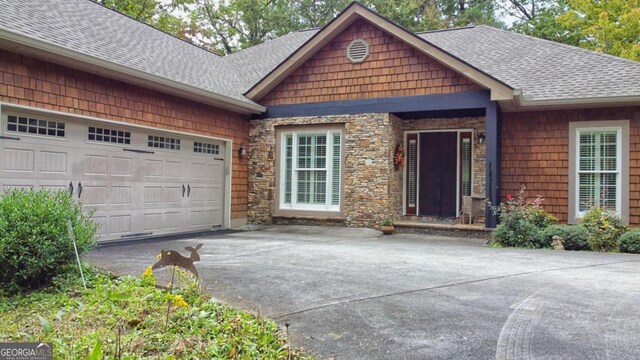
(438, 180)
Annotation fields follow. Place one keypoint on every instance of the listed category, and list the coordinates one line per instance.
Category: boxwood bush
(34, 240)
(575, 237)
(630, 242)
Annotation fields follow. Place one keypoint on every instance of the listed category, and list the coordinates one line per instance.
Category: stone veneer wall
(397, 176)
(369, 178)
(479, 150)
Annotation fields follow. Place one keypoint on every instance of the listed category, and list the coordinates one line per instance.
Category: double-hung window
(598, 169)
(310, 170)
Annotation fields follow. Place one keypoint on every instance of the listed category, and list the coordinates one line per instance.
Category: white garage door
(139, 182)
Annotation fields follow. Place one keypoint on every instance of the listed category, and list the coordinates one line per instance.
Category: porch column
(492, 186)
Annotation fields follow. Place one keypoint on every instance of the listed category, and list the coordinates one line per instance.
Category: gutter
(127, 73)
(523, 101)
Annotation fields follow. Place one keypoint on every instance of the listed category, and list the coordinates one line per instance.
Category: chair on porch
(472, 206)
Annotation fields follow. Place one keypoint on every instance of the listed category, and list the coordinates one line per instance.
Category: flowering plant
(604, 227)
(522, 222)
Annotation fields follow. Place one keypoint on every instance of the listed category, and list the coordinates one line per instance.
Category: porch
(449, 143)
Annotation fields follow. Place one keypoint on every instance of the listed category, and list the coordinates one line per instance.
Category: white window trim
(328, 207)
(622, 153)
(578, 133)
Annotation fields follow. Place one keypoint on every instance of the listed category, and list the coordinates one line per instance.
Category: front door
(438, 173)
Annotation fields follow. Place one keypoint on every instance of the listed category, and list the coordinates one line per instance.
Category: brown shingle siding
(393, 68)
(535, 153)
(31, 82)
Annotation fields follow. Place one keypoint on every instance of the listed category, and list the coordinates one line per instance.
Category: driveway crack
(442, 286)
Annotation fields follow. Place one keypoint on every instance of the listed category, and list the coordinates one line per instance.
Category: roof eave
(31, 46)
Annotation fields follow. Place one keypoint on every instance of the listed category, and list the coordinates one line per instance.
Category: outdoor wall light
(481, 137)
(242, 151)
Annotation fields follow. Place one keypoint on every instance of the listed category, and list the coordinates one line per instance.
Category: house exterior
(349, 124)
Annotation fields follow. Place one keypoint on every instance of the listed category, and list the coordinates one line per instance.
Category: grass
(125, 318)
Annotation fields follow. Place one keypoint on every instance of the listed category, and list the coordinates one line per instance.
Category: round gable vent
(357, 51)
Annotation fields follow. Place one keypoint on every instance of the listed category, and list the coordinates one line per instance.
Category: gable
(393, 68)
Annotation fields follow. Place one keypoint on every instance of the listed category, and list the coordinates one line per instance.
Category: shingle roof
(257, 61)
(91, 29)
(541, 69)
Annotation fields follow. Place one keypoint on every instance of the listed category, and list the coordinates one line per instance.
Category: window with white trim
(310, 170)
(598, 177)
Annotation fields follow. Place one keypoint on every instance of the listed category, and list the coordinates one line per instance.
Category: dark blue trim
(492, 180)
(399, 104)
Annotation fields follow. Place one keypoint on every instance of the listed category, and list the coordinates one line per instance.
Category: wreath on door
(398, 157)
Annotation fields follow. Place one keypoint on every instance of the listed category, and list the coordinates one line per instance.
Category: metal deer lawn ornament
(173, 258)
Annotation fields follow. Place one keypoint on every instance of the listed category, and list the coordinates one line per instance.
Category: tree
(417, 15)
(153, 12)
(539, 18)
(608, 26)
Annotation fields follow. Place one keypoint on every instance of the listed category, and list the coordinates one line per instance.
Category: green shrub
(604, 228)
(630, 242)
(521, 223)
(34, 240)
(517, 231)
(575, 237)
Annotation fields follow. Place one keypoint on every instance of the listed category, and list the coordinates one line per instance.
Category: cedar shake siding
(393, 68)
(535, 153)
(39, 84)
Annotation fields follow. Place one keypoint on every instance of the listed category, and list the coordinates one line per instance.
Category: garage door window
(35, 126)
(311, 170)
(206, 148)
(109, 135)
(161, 142)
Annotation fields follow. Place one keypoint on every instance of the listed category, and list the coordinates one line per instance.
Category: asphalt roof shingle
(91, 29)
(542, 69)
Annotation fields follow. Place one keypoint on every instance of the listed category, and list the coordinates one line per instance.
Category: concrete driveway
(359, 296)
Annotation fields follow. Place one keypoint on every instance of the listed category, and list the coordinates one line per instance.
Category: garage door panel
(121, 166)
(93, 195)
(120, 195)
(153, 221)
(173, 169)
(152, 195)
(19, 160)
(96, 164)
(119, 224)
(53, 162)
(172, 194)
(152, 168)
(173, 219)
(101, 220)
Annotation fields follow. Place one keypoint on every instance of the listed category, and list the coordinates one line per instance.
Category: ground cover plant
(126, 318)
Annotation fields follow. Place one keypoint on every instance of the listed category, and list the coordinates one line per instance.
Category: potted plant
(387, 226)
